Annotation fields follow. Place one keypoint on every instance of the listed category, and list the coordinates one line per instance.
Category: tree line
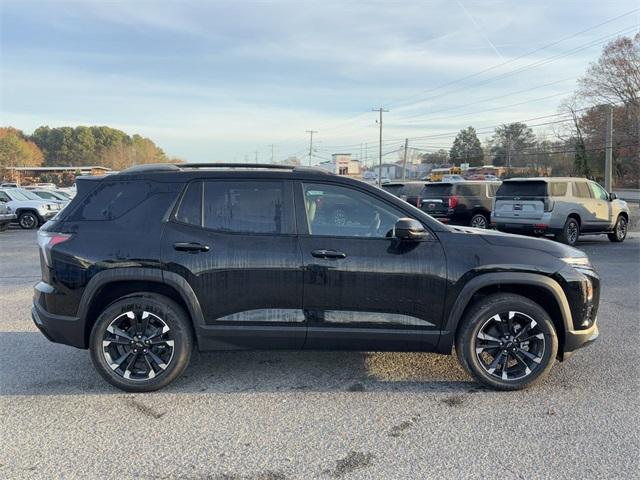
(577, 145)
(79, 146)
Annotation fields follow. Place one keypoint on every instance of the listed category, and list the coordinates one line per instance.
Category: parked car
(565, 207)
(52, 195)
(41, 186)
(6, 216)
(460, 203)
(8, 185)
(408, 191)
(30, 213)
(145, 265)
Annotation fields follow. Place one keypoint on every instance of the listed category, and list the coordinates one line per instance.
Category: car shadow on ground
(31, 365)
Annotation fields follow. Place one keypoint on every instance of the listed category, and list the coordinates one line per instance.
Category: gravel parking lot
(266, 415)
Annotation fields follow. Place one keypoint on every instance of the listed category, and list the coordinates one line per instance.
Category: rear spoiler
(87, 183)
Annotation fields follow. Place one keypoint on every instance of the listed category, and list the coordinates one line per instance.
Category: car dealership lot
(307, 414)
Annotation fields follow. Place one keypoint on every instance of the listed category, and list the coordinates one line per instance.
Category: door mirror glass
(612, 196)
(408, 229)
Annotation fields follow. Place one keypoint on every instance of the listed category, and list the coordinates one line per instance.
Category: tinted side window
(111, 200)
(245, 207)
(581, 190)
(558, 189)
(469, 190)
(599, 192)
(338, 211)
(493, 188)
(4, 197)
(190, 210)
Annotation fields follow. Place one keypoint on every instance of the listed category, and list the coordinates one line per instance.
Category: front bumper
(576, 339)
(57, 328)
(7, 217)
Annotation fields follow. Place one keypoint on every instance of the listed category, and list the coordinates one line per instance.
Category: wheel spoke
(529, 355)
(496, 360)
(115, 364)
(510, 322)
(527, 370)
(157, 359)
(127, 371)
(119, 332)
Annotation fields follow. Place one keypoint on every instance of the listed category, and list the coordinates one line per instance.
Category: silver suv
(563, 206)
(31, 212)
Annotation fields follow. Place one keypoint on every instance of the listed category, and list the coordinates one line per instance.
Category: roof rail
(151, 167)
(173, 167)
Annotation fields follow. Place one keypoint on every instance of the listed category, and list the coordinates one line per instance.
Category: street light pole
(381, 110)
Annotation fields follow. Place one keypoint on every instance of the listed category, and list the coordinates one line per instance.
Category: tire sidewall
(170, 313)
(475, 319)
(620, 219)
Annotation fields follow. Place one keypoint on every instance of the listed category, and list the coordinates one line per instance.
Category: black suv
(147, 264)
(460, 203)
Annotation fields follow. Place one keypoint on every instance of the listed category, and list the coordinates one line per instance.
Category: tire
(619, 230)
(28, 220)
(485, 362)
(570, 232)
(153, 365)
(479, 220)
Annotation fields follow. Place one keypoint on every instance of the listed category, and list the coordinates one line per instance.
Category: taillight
(48, 240)
(418, 202)
(548, 204)
(453, 201)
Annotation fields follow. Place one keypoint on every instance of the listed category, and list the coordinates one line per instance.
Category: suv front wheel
(141, 342)
(28, 220)
(507, 342)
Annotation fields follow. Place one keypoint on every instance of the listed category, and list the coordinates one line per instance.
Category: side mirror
(408, 229)
(612, 196)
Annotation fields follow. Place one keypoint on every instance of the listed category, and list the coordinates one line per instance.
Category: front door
(364, 290)
(235, 244)
(602, 206)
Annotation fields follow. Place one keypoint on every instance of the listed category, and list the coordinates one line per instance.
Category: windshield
(16, 194)
(30, 195)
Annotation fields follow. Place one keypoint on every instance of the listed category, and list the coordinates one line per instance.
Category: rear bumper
(57, 328)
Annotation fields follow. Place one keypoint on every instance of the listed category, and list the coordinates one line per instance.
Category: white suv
(566, 207)
(30, 213)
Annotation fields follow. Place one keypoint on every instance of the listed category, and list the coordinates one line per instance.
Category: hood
(502, 239)
(29, 203)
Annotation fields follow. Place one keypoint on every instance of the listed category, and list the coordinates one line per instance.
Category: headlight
(581, 264)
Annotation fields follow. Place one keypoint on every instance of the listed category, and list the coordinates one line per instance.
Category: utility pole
(404, 159)
(272, 146)
(381, 110)
(311, 132)
(508, 154)
(608, 157)
(256, 156)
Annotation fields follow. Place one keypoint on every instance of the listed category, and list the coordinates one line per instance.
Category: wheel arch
(543, 290)
(576, 216)
(109, 285)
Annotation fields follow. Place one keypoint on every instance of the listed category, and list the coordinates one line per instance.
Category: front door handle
(190, 247)
(329, 254)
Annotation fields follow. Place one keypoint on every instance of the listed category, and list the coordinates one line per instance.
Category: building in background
(343, 164)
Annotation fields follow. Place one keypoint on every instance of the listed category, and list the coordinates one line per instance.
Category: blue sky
(218, 81)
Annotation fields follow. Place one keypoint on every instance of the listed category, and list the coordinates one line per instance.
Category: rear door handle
(191, 247)
(330, 254)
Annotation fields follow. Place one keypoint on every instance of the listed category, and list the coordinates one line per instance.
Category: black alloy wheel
(619, 230)
(141, 342)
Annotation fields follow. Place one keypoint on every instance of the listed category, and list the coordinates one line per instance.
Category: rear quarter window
(558, 189)
(469, 190)
(522, 189)
(111, 200)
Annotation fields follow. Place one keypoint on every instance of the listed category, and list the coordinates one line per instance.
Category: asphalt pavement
(289, 415)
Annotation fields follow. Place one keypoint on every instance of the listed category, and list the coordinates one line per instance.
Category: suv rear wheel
(619, 230)
(141, 342)
(507, 342)
(570, 232)
(479, 220)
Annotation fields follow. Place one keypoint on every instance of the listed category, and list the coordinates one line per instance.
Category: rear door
(586, 205)
(521, 200)
(234, 242)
